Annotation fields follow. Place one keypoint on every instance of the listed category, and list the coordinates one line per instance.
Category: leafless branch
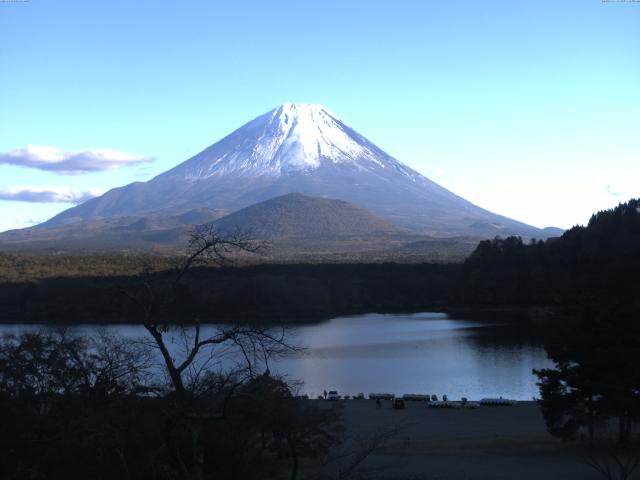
(207, 243)
(614, 462)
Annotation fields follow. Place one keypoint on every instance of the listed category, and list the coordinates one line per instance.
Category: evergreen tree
(595, 376)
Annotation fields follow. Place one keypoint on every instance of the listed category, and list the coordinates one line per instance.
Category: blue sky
(529, 109)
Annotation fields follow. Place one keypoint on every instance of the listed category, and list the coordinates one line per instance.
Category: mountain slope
(307, 149)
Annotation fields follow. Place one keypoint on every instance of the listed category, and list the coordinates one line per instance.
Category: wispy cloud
(54, 159)
(626, 188)
(611, 192)
(51, 194)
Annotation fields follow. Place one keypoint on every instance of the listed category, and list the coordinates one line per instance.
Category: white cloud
(611, 192)
(69, 163)
(51, 194)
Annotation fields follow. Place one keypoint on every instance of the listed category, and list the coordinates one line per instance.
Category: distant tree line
(259, 293)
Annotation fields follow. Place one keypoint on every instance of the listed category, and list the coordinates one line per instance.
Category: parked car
(398, 404)
(333, 396)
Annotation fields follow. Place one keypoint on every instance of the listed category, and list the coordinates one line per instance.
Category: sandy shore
(484, 443)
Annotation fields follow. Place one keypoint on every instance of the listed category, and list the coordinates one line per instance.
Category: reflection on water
(401, 353)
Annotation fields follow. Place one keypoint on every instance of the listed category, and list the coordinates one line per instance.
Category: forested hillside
(588, 266)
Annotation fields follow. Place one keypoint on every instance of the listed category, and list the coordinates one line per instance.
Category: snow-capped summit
(290, 138)
(302, 148)
(306, 134)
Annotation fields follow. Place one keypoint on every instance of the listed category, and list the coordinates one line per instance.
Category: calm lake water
(401, 353)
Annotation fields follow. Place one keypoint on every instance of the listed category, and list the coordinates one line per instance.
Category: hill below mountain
(297, 215)
(298, 228)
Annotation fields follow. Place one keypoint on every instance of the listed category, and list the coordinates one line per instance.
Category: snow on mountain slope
(292, 138)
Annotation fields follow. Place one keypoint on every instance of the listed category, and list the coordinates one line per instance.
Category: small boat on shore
(443, 404)
(452, 404)
(415, 397)
(381, 396)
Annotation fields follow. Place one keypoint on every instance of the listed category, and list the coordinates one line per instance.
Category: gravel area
(508, 442)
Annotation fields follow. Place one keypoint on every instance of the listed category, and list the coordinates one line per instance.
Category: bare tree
(58, 363)
(612, 461)
(60, 392)
(200, 391)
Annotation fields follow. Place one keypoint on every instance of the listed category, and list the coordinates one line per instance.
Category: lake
(401, 353)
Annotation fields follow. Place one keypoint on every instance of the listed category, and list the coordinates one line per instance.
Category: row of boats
(432, 400)
(435, 402)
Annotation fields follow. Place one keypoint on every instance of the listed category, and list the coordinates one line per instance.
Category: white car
(333, 396)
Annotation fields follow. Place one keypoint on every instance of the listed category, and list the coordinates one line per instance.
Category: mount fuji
(294, 148)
